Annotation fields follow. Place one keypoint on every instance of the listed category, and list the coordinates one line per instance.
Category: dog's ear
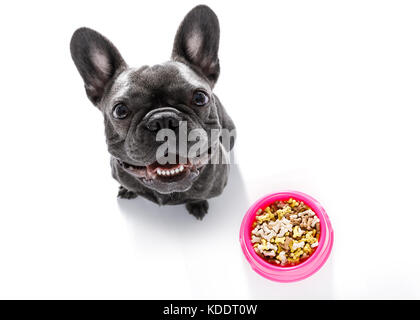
(197, 42)
(97, 60)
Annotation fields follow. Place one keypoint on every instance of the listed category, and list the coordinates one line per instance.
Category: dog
(138, 104)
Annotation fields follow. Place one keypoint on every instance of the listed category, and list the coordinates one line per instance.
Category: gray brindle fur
(159, 97)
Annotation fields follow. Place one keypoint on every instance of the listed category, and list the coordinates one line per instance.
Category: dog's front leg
(198, 208)
(124, 193)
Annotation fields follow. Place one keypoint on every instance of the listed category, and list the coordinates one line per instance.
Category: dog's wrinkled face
(143, 101)
(138, 103)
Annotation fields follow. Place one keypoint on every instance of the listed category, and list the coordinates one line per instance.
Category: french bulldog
(139, 103)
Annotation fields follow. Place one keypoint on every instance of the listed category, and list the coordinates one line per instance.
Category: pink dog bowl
(287, 273)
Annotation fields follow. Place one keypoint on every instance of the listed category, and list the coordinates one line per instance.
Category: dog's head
(139, 104)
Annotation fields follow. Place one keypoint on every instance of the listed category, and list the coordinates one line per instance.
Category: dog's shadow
(225, 211)
(217, 235)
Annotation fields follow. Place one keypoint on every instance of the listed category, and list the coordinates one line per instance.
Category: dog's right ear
(97, 60)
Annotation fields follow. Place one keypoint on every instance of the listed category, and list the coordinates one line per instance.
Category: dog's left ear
(197, 42)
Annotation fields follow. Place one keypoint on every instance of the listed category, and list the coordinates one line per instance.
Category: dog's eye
(200, 98)
(120, 111)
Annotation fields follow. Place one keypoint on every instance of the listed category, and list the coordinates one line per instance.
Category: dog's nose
(164, 118)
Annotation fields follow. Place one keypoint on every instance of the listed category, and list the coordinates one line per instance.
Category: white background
(326, 99)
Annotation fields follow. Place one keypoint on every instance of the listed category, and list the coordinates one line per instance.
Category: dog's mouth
(166, 174)
(162, 172)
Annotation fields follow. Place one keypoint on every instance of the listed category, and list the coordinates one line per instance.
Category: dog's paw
(123, 193)
(198, 208)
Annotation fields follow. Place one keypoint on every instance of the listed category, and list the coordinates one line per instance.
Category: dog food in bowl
(295, 218)
(285, 232)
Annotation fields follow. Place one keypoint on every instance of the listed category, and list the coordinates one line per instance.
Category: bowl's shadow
(317, 286)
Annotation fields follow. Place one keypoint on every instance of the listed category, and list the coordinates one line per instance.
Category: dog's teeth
(170, 172)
